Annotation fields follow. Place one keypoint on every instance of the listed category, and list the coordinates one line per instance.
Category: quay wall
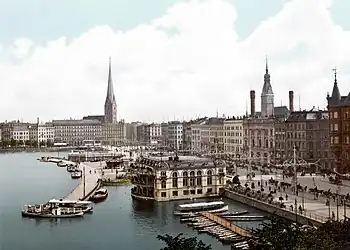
(92, 191)
(283, 213)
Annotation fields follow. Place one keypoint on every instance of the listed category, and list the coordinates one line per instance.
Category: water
(117, 223)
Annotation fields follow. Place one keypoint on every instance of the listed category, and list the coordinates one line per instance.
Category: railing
(305, 214)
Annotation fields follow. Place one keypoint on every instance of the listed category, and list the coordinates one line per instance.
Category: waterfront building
(131, 131)
(186, 135)
(110, 103)
(308, 131)
(15, 130)
(77, 132)
(164, 132)
(280, 140)
(175, 178)
(141, 133)
(42, 133)
(174, 135)
(339, 127)
(114, 133)
(233, 136)
(153, 134)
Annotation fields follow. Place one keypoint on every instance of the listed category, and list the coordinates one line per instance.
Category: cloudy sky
(171, 58)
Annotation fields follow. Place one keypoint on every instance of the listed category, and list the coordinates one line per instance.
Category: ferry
(85, 206)
(76, 174)
(46, 211)
(100, 195)
(212, 207)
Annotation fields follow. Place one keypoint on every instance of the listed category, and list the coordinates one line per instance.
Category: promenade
(92, 175)
(313, 206)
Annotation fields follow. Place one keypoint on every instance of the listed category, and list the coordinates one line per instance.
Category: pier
(227, 224)
(90, 182)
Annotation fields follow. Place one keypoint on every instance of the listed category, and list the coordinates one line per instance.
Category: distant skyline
(170, 58)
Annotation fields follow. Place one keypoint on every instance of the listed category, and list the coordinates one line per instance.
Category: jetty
(90, 182)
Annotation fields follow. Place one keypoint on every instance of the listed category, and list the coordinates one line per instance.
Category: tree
(13, 143)
(181, 243)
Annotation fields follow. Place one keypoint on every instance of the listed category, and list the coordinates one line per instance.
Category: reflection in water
(53, 222)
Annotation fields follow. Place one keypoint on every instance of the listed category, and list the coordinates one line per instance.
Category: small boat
(211, 207)
(44, 211)
(72, 168)
(76, 174)
(100, 195)
(61, 164)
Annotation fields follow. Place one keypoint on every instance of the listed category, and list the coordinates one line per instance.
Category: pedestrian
(333, 215)
(286, 197)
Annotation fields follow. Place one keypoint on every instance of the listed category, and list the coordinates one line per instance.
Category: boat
(85, 206)
(100, 195)
(76, 174)
(46, 211)
(61, 164)
(211, 207)
(72, 168)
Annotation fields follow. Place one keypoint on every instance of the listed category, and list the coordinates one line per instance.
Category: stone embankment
(272, 209)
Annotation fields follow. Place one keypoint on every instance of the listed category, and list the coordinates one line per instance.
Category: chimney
(252, 103)
(291, 101)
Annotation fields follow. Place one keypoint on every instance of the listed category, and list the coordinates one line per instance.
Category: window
(186, 192)
(175, 185)
(336, 140)
(192, 179)
(163, 174)
(336, 127)
(175, 193)
(163, 184)
(193, 191)
(209, 190)
(220, 180)
(163, 194)
(199, 178)
(209, 177)
(335, 115)
(199, 191)
(185, 179)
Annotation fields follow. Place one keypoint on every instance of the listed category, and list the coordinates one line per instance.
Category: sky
(171, 59)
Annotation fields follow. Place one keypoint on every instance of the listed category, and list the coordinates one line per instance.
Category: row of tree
(279, 234)
(20, 143)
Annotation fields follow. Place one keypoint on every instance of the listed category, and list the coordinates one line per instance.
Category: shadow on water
(53, 222)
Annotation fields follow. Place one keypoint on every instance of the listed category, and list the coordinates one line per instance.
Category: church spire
(267, 66)
(110, 103)
(110, 91)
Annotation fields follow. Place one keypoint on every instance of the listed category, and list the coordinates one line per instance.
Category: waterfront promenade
(313, 206)
(92, 176)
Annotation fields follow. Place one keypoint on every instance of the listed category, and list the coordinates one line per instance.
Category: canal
(117, 223)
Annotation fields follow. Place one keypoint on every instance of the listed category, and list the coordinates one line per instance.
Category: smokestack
(291, 101)
(252, 103)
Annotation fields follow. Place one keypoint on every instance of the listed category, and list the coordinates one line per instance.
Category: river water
(117, 223)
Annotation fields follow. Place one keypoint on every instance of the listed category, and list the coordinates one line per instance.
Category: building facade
(339, 127)
(77, 132)
(43, 134)
(308, 131)
(233, 137)
(153, 134)
(174, 135)
(174, 179)
(114, 133)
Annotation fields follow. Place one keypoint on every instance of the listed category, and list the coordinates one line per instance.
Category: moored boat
(72, 168)
(45, 211)
(100, 195)
(76, 174)
(212, 207)
(61, 164)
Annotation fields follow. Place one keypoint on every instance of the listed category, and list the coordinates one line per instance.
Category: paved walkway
(314, 208)
(92, 175)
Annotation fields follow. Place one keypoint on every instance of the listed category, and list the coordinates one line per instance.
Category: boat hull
(220, 210)
(37, 215)
(98, 198)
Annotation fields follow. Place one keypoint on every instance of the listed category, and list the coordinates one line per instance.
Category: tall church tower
(110, 104)
(267, 97)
